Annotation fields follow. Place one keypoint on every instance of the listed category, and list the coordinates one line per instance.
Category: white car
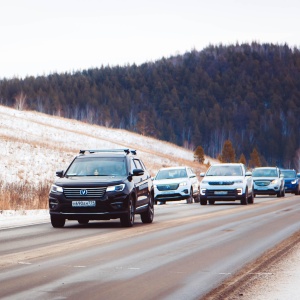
(226, 182)
(268, 181)
(176, 183)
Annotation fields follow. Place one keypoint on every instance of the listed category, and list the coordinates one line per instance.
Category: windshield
(98, 166)
(171, 173)
(288, 173)
(225, 171)
(264, 173)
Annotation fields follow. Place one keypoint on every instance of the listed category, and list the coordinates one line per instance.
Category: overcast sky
(39, 37)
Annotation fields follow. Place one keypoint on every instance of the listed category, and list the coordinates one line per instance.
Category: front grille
(168, 187)
(221, 183)
(84, 193)
(229, 193)
(262, 183)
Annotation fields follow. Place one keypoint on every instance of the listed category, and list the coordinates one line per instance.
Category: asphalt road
(188, 251)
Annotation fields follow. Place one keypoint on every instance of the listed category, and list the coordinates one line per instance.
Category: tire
(297, 191)
(251, 198)
(127, 220)
(190, 199)
(244, 200)
(162, 202)
(211, 202)
(279, 194)
(148, 215)
(57, 222)
(283, 192)
(203, 201)
(197, 199)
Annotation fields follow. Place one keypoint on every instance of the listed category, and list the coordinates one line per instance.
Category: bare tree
(20, 103)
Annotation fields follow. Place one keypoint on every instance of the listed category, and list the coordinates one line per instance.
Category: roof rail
(126, 150)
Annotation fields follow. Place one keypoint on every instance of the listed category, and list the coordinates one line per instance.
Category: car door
(141, 183)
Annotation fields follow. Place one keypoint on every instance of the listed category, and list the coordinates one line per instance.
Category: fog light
(186, 191)
(239, 191)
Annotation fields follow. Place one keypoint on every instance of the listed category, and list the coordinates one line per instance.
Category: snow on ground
(34, 145)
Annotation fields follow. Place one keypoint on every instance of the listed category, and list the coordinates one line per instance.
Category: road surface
(187, 252)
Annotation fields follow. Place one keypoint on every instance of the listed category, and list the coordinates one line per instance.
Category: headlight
(294, 181)
(56, 189)
(275, 181)
(116, 188)
(182, 183)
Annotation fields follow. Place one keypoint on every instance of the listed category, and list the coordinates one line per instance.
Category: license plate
(83, 203)
(220, 193)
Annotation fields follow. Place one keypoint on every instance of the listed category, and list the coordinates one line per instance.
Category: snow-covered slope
(34, 145)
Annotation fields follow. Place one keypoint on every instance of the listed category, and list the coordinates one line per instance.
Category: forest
(246, 93)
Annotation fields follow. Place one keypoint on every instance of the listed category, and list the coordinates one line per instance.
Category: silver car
(176, 183)
(268, 181)
(226, 182)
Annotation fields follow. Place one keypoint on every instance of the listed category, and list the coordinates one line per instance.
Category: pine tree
(199, 155)
(243, 159)
(254, 159)
(228, 153)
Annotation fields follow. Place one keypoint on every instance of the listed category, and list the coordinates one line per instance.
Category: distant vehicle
(102, 185)
(226, 182)
(268, 181)
(291, 181)
(176, 183)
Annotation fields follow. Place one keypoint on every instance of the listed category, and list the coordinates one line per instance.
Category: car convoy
(115, 184)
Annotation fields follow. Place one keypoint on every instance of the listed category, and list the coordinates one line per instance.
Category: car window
(288, 173)
(171, 173)
(225, 171)
(264, 173)
(97, 167)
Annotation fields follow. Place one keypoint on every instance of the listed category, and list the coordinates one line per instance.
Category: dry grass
(17, 196)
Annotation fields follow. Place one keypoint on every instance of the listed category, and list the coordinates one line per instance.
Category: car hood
(223, 178)
(90, 181)
(169, 181)
(264, 178)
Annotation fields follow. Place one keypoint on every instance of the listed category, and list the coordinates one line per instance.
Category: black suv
(102, 185)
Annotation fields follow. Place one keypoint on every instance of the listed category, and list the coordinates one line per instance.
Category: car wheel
(251, 198)
(279, 194)
(297, 191)
(283, 192)
(197, 199)
(57, 222)
(211, 202)
(162, 202)
(190, 198)
(148, 215)
(127, 220)
(244, 200)
(203, 201)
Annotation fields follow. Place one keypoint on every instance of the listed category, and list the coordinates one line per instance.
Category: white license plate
(83, 203)
(167, 192)
(220, 193)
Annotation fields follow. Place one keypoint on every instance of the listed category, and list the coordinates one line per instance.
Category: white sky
(39, 37)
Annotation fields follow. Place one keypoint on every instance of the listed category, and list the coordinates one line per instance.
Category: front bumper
(105, 208)
(224, 194)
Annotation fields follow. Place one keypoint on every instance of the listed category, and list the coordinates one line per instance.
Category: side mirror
(60, 173)
(137, 172)
(202, 174)
(193, 175)
(248, 173)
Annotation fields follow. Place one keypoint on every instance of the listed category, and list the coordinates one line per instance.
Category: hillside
(34, 145)
(248, 93)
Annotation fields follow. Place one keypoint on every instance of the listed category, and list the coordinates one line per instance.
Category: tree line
(246, 93)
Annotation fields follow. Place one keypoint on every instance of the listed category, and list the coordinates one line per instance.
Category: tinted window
(95, 166)
(225, 171)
